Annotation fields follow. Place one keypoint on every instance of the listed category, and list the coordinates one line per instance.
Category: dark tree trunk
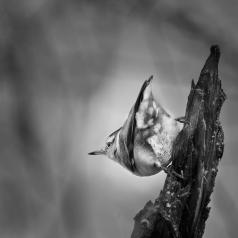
(181, 210)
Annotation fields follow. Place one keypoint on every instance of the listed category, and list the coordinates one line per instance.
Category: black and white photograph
(118, 119)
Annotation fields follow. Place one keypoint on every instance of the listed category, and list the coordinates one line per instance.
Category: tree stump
(181, 210)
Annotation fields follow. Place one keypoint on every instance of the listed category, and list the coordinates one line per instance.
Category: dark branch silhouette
(181, 210)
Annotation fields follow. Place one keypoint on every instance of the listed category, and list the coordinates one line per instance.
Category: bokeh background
(69, 73)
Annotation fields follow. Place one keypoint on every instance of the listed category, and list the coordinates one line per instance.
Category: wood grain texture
(181, 210)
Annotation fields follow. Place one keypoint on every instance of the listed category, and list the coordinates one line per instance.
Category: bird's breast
(154, 145)
(145, 161)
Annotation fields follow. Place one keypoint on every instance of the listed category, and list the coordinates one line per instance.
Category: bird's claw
(182, 120)
(171, 172)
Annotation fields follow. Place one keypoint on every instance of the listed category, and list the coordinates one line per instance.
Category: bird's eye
(110, 141)
(108, 144)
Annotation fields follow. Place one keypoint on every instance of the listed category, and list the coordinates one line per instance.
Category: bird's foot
(171, 172)
(182, 120)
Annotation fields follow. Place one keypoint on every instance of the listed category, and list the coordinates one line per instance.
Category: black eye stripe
(110, 141)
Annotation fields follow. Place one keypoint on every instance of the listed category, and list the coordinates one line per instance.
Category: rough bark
(181, 210)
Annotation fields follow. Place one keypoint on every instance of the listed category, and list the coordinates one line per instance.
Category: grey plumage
(143, 144)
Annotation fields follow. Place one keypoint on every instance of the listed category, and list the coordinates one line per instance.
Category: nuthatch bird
(143, 145)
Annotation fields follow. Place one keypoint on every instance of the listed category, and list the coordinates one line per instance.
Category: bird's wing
(147, 111)
(132, 125)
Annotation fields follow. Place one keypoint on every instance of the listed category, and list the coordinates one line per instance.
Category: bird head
(110, 148)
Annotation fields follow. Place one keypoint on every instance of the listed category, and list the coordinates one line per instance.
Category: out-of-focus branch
(181, 209)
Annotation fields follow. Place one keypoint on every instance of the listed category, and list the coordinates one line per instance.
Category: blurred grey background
(69, 74)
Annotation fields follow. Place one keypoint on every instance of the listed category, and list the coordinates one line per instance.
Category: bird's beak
(97, 152)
